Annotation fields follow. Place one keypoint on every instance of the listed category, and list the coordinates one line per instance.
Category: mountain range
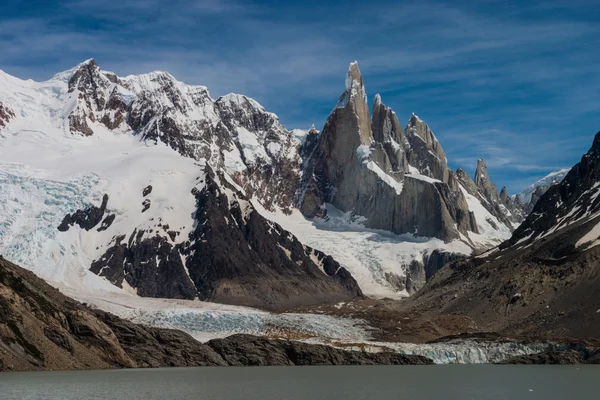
(141, 158)
(147, 187)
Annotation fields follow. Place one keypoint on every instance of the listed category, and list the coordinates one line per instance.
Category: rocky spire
(424, 152)
(504, 197)
(368, 175)
(417, 127)
(354, 99)
(483, 182)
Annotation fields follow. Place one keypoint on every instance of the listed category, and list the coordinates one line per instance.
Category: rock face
(6, 114)
(398, 180)
(234, 256)
(41, 329)
(545, 280)
(88, 218)
(98, 97)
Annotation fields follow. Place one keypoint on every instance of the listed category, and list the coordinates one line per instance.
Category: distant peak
(377, 99)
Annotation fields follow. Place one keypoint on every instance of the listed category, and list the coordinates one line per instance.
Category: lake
(460, 382)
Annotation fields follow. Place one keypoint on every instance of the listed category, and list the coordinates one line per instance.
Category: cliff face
(398, 179)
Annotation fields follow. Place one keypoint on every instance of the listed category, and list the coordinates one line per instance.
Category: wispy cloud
(514, 83)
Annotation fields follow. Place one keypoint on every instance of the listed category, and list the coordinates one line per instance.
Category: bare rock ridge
(233, 256)
(545, 280)
(41, 329)
(398, 179)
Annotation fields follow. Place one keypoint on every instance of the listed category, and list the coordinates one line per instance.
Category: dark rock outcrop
(152, 265)
(6, 115)
(88, 218)
(241, 350)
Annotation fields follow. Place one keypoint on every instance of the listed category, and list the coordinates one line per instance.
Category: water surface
(448, 382)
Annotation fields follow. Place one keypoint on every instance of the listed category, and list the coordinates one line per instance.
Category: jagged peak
(462, 175)
(415, 121)
(65, 76)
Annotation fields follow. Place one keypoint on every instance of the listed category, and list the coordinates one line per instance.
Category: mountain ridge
(86, 107)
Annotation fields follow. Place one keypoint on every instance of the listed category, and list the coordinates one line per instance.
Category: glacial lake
(448, 382)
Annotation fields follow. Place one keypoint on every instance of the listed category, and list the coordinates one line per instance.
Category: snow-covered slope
(66, 142)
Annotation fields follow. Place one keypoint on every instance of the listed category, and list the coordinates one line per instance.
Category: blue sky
(514, 82)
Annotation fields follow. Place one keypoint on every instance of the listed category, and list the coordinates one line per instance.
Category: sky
(516, 83)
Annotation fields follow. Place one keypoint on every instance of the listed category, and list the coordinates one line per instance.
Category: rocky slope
(41, 329)
(545, 280)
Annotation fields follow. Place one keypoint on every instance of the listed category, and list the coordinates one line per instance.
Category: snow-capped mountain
(533, 192)
(159, 189)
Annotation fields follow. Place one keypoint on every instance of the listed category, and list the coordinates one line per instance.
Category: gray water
(448, 382)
